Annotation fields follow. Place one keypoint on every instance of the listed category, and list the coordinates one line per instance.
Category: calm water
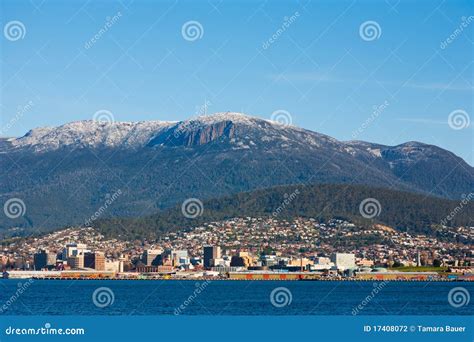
(50, 297)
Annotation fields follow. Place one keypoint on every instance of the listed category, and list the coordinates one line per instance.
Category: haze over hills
(65, 174)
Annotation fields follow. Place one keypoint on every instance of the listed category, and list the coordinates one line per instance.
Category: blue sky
(318, 67)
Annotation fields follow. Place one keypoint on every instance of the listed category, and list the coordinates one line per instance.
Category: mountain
(64, 175)
(404, 211)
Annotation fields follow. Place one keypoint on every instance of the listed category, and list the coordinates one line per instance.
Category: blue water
(55, 297)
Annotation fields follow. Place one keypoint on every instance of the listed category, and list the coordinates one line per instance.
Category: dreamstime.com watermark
(22, 287)
(377, 110)
(21, 111)
(465, 22)
(202, 109)
(109, 200)
(200, 287)
(189, 125)
(46, 330)
(458, 208)
(109, 22)
(288, 199)
(377, 288)
(287, 22)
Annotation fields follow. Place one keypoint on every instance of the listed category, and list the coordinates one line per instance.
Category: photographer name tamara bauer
(414, 328)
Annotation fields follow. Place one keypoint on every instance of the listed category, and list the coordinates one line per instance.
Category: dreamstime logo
(14, 30)
(370, 208)
(282, 117)
(459, 119)
(14, 208)
(192, 208)
(370, 30)
(192, 30)
(280, 297)
(458, 296)
(103, 297)
(103, 116)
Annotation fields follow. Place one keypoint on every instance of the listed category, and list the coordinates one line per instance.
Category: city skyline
(219, 170)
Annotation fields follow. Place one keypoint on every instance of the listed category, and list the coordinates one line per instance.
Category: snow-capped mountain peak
(90, 133)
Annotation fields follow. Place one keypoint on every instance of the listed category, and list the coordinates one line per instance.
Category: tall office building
(152, 257)
(210, 253)
(95, 260)
(44, 259)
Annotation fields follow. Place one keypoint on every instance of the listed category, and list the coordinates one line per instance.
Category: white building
(74, 249)
(343, 261)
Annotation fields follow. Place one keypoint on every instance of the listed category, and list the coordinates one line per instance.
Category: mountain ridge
(64, 175)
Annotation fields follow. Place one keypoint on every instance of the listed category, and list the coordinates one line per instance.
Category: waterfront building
(175, 257)
(322, 261)
(73, 249)
(112, 265)
(243, 259)
(225, 269)
(152, 257)
(76, 261)
(343, 261)
(154, 269)
(44, 259)
(219, 262)
(269, 260)
(423, 276)
(300, 262)
(196, 261)
(210, 253)
(95, 260)
(365, 263)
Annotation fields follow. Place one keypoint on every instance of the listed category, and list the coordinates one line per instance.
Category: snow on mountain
(242, 131)
(90, 133)
(239, 130)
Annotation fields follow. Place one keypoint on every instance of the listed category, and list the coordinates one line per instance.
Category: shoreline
(252, 280)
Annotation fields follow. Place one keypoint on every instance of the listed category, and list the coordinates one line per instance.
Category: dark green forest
(401, 210)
